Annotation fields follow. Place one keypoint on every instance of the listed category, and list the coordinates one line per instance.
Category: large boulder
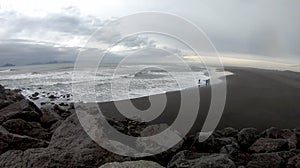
(13, 159)
(212, 144)
(226, 132)
(4, 103)
(291, 137)
(153, 129)
(231, 149)
(266, 160)
(132, 164)
(30, 116)
(272, 132)
(76, 148)
(298, 140)
(63, 112)
(266, 145)
(17, 110)
(286, 154)
(48, 119)
(70, 146)
(277, 133)
(11, 141)
(294, 162)
(247, 136)
(229, 132)
(21, 105)
(8, 97)
(149, 145)
(21, 127)
(2, 89)
(204, 160)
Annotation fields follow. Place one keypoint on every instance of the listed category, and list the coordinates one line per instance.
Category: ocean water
(57, 79)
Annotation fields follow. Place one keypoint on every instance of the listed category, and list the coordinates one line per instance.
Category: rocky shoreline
(51, 136)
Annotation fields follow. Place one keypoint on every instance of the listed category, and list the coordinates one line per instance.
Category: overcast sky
(41, 31)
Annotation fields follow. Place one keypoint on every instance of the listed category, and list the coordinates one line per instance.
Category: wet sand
(255, 98)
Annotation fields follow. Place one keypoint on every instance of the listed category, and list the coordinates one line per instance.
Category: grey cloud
(22, 52)
(73, 24)
(269, 28)
(137, 41)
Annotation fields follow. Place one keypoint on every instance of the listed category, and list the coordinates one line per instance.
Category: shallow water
(57, 80)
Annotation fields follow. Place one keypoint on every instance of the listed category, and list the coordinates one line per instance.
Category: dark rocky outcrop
(11, 141)
(247, 136)
(267, 160)
(205, 160)
(32, 129)
(294, 162)
(267, 145)
(132, 164)
(70, 146)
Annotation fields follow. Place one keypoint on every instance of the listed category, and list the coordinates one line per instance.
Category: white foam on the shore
(58, 82)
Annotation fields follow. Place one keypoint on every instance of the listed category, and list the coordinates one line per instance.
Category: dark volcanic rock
(229, 132)
(232, 149)
(149, 145)
(2, 89)
(128, 127)
(49, 118)
(63, 104)
(212, 144)
(298, 139)
(266, 145)
(21, 109)
(277, 133)
(52, 97)
(294, 162)
(132, 164)
(4, 103)
(272, 132)
(246, 137)
(8, 97)
(30, 116)
(21, 127)
(266, 160)
(189, 159)
(70, 147)
(291, 137)
(61, 111)
(286, 154)
(35, 94)
(11, 141)
(226, 132)
(22, 105)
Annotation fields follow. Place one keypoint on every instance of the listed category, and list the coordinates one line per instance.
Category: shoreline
(255, 98)
(39, 95)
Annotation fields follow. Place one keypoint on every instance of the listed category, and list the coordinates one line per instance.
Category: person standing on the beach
(207, 81)
(199, 82)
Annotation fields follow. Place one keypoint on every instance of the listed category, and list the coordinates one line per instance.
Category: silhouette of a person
(207, 81)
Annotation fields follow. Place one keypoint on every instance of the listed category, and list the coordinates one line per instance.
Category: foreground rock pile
(52, 136)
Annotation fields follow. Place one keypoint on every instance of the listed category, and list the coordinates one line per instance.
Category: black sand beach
(255, 98)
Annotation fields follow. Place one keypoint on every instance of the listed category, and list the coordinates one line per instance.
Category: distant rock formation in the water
(51, 62)
(8, 65)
